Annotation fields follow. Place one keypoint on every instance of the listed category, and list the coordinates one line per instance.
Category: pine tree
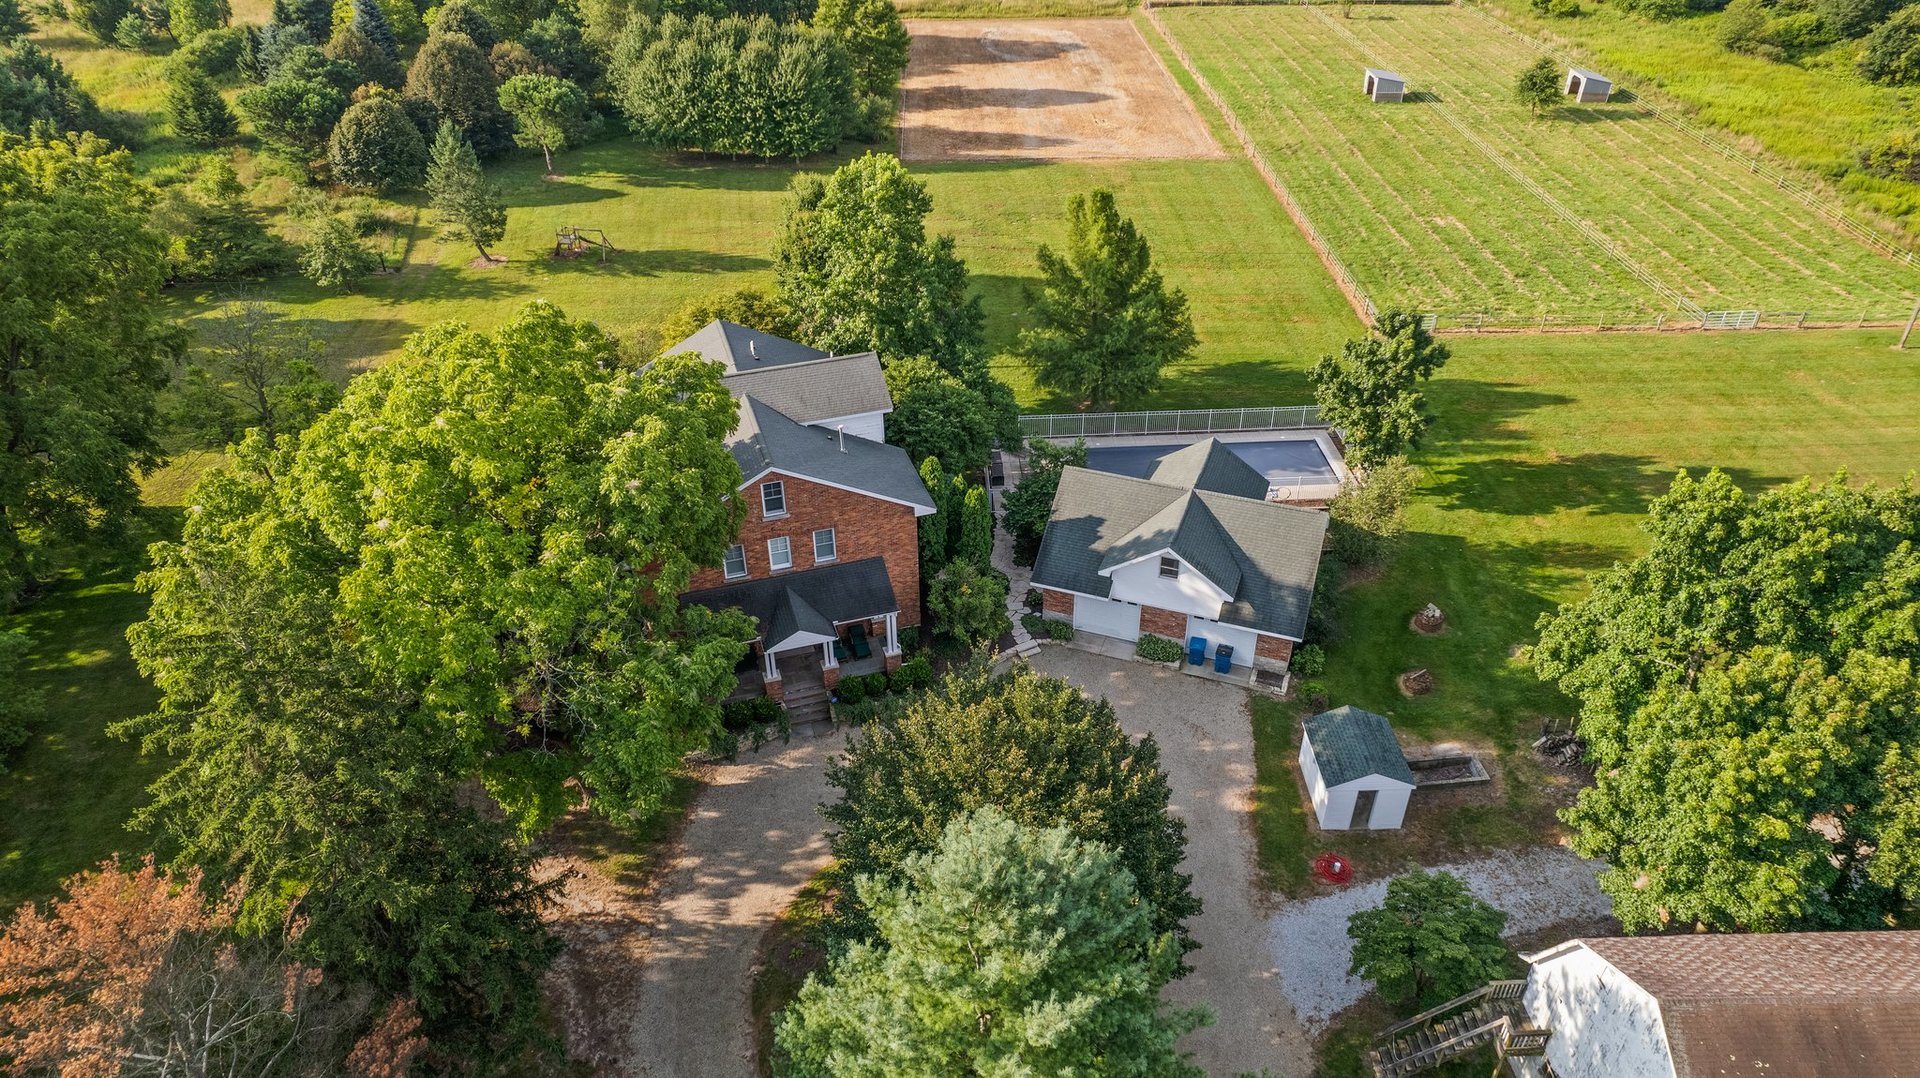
(13, 21)
(371, 21)
(460, 192)
(1105, 324)
(548, 113)
(1008, 950)
(200, 115)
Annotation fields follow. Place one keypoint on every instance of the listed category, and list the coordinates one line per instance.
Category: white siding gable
(1189, 593)
(1602, 1022)
(869, 425)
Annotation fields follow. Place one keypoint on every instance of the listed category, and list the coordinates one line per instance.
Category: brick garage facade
(1056, 604)
(1168, 623)
(863, 527)
(1272, 652)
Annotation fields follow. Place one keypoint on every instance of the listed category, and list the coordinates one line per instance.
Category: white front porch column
(827, 660)
(772, 670)
(893, 635)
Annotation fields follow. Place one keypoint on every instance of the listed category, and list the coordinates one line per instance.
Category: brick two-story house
(828, 557)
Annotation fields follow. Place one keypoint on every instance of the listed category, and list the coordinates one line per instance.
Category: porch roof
(808, 602)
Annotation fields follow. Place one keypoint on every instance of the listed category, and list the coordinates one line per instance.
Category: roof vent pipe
(753, 348)
(841, 431)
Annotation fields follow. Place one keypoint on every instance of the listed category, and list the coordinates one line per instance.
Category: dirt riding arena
(1051, 89)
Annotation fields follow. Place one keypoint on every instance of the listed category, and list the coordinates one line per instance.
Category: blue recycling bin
(1223, 659)
(1197, 650)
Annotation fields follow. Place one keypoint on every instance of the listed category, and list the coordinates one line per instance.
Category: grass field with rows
(1460, 201)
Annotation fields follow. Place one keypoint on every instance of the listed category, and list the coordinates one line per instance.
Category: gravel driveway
(1206, 747)
(1537, 888)
(753, 838)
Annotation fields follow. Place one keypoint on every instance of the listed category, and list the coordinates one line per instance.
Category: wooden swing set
(572, 241)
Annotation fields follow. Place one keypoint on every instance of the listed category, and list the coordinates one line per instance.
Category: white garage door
(1108, 617)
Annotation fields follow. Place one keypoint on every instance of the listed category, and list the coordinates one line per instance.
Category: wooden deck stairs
(1490, 1014)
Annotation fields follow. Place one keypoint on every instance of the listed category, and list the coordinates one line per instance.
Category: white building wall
(1389, 804)
(1310, 774)
(1188, 593)
(1217, 633)
(1602, 1022)
(869, 425)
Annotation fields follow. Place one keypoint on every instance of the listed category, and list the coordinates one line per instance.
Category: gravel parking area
(1310, 949)
(1206, 747)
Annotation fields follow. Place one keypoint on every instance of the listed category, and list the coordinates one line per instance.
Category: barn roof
(1780, 1003)
(1381, 73)
(1349, 744)
(1589, 76)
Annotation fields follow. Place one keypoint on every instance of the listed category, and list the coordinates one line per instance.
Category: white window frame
(785, 546)
(779, 490)
(1167, 561)
(833, 546)
(726, 563)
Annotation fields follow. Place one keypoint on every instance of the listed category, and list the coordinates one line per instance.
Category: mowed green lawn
(1544, 454)
(1423, 211)
(687, 228)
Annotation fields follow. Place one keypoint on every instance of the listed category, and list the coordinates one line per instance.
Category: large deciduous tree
(1746, 691)
(1038, 748)
(461, 195)
(451, 72)
(84, 347)
(937, 415)
(1371, 389)
(1429, 940)
(375, 146)
(875, 39)
(1005, 949)
(856, 266)
(1104, 323)
(548, 113)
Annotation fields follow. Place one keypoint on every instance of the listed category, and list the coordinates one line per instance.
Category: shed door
(1107, 617)
(1363, 810)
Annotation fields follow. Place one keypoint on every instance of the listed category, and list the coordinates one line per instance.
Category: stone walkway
(1018, 581)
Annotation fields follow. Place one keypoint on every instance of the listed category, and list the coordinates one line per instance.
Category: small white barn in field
(1354, 770)
(1382, 85)
(1588, 87)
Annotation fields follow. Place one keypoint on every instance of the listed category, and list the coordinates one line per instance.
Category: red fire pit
(1332, 868)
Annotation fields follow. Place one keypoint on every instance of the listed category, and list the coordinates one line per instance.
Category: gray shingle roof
(812, 600)
(1349, 744)
(1265, 555)
(1589, 76)
(739, 348)
(767, 439)
(819, 389)
(1210, 465)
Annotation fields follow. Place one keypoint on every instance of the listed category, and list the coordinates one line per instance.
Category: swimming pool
(1285, 462)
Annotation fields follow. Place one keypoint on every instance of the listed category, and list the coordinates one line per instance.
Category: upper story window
(736, 563)
(1169, 567)
(825, 547)
(773, 499)
(780, 553)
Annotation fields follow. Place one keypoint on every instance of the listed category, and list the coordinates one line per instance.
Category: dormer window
(773, 499)
(1169, 567)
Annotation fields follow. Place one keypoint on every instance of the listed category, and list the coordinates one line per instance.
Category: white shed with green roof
(1355, 771)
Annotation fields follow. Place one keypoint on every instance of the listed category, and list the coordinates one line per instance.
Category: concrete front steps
(808, 703)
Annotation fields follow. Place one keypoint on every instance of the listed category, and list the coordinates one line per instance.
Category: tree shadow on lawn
(536, 191)
(539, 262)
(1616, 483)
